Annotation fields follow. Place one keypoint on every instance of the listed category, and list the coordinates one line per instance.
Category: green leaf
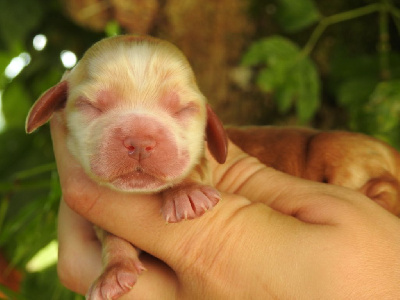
(270, 51)
(45, 285)
(47, 80)
(309, 90)
(16, 104)
(296, 15)
(285, 98)
(19, 18)
(355, 91)
(112, 28)
(386, 92)
(374, 108)
(384, 105)
(266, 80)
(3, 210)
(292, 78)
(11, 294)
(346, 67)
(37, 170)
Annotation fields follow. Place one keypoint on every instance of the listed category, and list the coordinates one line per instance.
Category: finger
(308, 201)
(79, 251)
(80, 261)
(158, 282)
(70, 171)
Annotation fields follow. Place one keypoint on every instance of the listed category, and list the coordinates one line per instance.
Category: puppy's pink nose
(139, 148)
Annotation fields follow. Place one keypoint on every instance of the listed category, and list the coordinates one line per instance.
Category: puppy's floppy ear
(50, 101)
(217, 139)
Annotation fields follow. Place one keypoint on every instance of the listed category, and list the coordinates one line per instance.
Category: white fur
(139, 73)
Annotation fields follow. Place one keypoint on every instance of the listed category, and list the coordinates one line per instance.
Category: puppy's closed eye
(187, 110)
(86, 106)
(177, 107)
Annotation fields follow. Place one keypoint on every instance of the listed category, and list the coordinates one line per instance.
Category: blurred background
(326, 64)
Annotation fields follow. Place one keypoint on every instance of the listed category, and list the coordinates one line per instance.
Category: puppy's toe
(115, 281)
(188, 202)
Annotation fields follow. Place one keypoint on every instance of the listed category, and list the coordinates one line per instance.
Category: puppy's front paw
(188, 202)
(115, 281)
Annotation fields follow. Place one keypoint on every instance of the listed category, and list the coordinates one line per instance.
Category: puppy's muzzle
(139, 148)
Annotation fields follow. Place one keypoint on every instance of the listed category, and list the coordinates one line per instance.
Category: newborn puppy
(136, 122)
(347, 159)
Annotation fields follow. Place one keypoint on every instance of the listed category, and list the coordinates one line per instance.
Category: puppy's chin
(138, 182)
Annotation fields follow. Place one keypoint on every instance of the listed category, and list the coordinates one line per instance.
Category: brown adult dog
(347, 159)
(136, 122)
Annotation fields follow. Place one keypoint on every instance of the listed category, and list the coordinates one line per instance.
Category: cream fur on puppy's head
(135, 116)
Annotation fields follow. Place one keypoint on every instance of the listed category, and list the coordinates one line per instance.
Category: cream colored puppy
(136, 122)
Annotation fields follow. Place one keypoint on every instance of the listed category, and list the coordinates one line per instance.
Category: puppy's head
(136, 119)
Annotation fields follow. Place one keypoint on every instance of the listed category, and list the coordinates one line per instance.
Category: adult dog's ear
(217, 139)
(49, 102)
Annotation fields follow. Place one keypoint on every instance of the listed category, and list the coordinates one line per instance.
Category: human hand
(271, 236)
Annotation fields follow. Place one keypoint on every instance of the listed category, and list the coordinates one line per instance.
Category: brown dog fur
(347, 159)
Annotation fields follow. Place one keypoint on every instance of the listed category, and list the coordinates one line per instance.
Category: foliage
(296, 15)
(365, 85)
(290, 75)
(29, 187)
(305, 61)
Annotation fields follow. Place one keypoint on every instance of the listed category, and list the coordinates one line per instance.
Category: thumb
(158, 282)
(308, 201)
